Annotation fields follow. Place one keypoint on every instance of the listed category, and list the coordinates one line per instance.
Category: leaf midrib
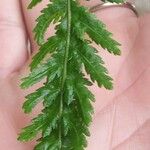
(64, 75)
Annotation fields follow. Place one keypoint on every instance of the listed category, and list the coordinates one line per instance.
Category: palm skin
(121, 119)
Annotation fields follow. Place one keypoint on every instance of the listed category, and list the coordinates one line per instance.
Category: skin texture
(122, 116)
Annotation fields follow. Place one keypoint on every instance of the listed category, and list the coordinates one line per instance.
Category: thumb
(13, 39)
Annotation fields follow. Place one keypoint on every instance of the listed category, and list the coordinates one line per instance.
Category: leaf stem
(64, 76)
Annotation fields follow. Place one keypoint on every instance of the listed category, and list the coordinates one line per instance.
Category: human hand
(121, 119)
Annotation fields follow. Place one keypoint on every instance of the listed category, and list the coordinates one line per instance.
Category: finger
(13, 38)
(135, 66)
(124, 124)
(89, 3)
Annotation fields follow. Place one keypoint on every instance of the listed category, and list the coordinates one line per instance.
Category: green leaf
(31, 131)
(33, 3)
(84, 97)
(96, 30)
(63, 62)
(94, 66)
(76, 137)
(34, 98)
(69, 91)
(53, 11)
(49, 47)
(39, 73)
(48, 143)
(50, 97)
(47, 119)
(35, 76)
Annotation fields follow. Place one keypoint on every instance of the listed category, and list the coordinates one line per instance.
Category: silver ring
(109, 5)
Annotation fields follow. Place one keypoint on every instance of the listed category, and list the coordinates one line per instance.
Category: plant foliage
(67, 111)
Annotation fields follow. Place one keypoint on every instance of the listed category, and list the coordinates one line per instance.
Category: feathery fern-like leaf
(33, 3)
(60, 62)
